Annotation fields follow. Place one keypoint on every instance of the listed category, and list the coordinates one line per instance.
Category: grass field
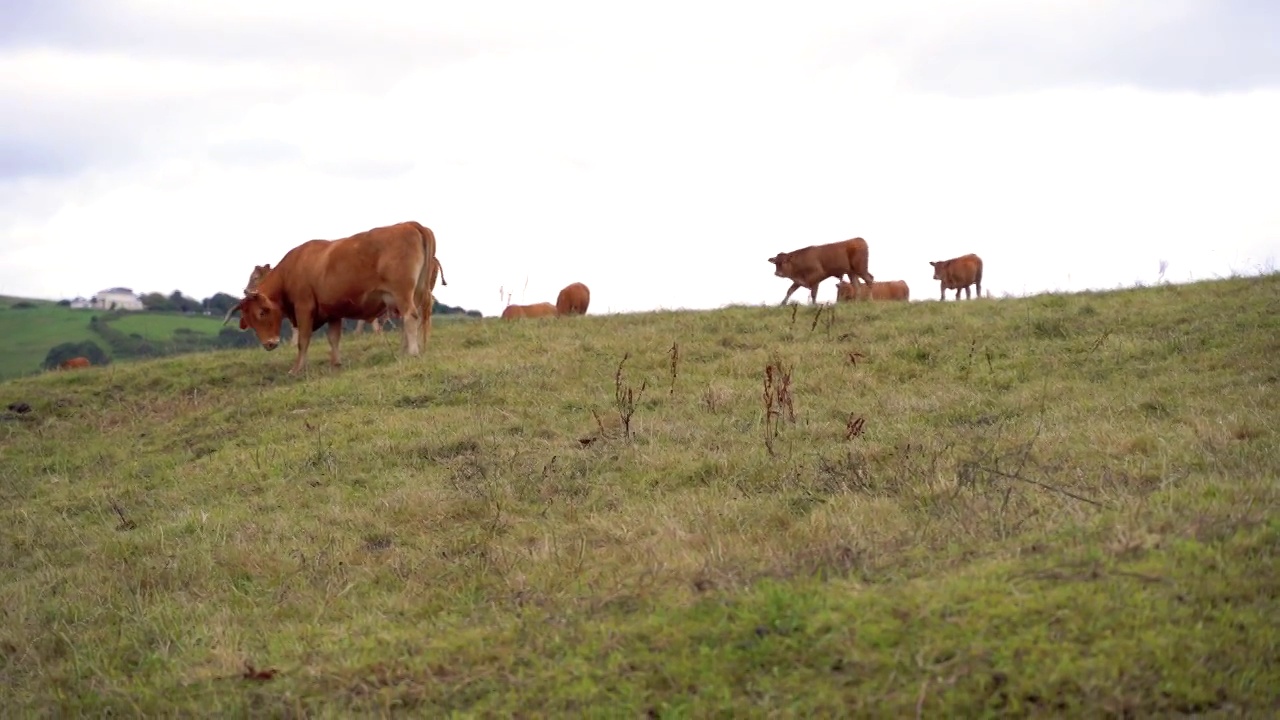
(30, 332)
(1058, 505)
(160, 326)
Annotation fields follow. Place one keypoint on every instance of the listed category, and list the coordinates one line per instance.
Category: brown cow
(73, 363)
(959, 273)
(573, 300)
(260, 271)
(437, 270)
(880, 290)
(809, 266)
(358, 277)
(537, 310)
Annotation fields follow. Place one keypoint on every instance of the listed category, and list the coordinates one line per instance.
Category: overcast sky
(659, 152)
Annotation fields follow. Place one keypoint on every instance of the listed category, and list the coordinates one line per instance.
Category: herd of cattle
(391, 271)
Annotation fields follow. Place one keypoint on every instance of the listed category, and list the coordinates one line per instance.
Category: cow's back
(962, 271)
(890, 290)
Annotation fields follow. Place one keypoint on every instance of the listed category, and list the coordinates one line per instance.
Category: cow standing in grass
(959, 273)
(573, 300)
(809, 266)
(74, 363)
(358, 277)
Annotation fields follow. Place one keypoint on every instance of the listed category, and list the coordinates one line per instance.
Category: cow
(959, 273)
(260, 271)
(880, 290)
(573, 300)
(537, 310)
(358, 277)
(809, 266)
(74, 363)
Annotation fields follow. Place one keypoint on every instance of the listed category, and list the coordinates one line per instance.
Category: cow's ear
(931, 262)
(774, 259)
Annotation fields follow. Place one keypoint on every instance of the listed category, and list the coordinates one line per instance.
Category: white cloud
(660, 155)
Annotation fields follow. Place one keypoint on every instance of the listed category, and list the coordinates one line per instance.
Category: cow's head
(257, 311)
(938, 267)
(255, 277)
(782, 264)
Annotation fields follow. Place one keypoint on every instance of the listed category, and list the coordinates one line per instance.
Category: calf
(74, 363)
(886, 290)
(537, 310)
(959, 273)
(809, 266)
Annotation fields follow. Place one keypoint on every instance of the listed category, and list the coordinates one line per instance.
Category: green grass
(1060, 505)
(161, 326)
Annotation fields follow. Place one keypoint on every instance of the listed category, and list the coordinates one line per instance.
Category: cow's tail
(425, 299)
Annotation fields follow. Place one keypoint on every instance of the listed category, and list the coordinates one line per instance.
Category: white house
(80, 304)
(116, 299)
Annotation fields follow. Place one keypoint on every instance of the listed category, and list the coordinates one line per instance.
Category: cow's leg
(411, 313)
(794, 286)
(335, 337)
(967, 296)
(813, 294)
(303, 331)
(977, 287)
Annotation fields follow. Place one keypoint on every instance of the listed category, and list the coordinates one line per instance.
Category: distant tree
(220, 303)
(182, 303)
(64, 303)
(22, 305)
(156, 301)
(87, 348)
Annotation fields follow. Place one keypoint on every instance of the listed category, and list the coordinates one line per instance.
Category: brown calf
(886, 290)
(809, 266)
(573, 300)
(73, 363)
(959, 273)
(537, 310)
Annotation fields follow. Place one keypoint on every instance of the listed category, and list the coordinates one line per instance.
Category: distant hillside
(32, 328)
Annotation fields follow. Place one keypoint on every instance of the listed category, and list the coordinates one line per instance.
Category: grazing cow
(809, 266)
(358, 277)
(959, 273)
(573, 300)
(880, 290)
(73, 363)
(537, 310)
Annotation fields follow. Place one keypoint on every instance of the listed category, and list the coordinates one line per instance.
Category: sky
(659, 152)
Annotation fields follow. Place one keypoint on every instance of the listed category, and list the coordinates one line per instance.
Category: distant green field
(29, 333)
(160, 326)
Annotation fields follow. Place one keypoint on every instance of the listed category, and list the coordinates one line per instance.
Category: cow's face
(781, 264)
(255, 277)
(257, 311)
(938, 267)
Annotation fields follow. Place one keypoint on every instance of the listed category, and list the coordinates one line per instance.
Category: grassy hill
(1057, 505)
